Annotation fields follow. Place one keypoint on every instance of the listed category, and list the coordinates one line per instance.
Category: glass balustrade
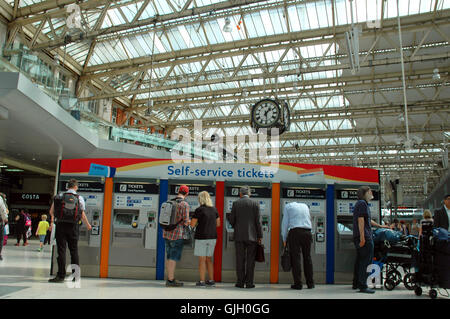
(58, 86)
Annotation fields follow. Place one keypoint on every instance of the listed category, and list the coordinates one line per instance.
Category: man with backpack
(68, 209)
(174, 218)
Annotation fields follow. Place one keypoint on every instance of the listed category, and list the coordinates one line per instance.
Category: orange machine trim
(106, 228)
(275, 234)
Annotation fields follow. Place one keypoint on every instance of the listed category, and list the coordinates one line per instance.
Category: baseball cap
(184, 189)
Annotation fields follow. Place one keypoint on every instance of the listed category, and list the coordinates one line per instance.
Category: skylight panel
(294, 21)
(267, 21)
(176, 39)
(414, 7)
(131, 48)
(162, 7)
(186, 37)
(116, 17)
(149, 11)
(312, 15)
(130, 11)
(211, 29)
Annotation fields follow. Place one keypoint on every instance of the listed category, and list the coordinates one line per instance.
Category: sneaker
(200, 284)
(239, 285)
(250, 286)
(56, 280)
(173, 283)
(17, 244)
(210, 283)
(367, 291)
(1, 258)
(311, 286)
(297, 287)
(26, 244)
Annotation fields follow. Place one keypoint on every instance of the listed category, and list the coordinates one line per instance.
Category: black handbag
(260, 253)
(286, 259)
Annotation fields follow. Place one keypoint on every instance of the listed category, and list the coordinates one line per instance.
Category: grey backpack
(168, 215)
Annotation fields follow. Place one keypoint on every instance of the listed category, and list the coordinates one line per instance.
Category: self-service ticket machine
(262, 193)
(315, 197)
(92, 190)
(187, 267)
(134, 229)
(345, 254)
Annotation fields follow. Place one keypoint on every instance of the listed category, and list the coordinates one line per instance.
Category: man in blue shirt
(362, 237)
(296, 229)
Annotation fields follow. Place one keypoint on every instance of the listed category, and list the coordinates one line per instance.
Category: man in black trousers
(68, 209)
(245, 220)
(442, 216)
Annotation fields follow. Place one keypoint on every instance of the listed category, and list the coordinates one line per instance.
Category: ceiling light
(14, 170)
(3, 166)
(227, 26)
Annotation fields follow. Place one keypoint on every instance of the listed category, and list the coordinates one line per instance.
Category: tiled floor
(24, 273)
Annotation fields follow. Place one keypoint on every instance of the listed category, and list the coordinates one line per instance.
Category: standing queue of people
(244, 218)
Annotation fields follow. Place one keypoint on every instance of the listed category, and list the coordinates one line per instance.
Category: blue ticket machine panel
(345, 253)
(189, 263)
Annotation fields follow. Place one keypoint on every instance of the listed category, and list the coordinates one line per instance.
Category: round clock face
(266, 113)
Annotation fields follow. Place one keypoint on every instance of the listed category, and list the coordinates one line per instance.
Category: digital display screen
(123, 219)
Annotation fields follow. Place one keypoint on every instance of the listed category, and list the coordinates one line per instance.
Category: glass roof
(253, 21)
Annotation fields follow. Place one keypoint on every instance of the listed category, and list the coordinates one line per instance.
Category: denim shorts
(174, 248)
(41, 238)
(204, 247)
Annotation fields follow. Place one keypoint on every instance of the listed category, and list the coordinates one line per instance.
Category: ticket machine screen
(123, 219)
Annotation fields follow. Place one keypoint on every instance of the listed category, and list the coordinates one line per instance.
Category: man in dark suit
(244, 218)
(442, 216)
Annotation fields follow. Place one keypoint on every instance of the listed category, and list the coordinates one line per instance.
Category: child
(42, 231)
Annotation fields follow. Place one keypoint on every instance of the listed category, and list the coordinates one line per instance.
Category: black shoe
(1, 258)
(367, 291)
(311, 286)
(354, 287)
(173, 283)
(56, 280)
(239, 285)
(200, 284)
(210, 283)
(297, 287)
(249, 286)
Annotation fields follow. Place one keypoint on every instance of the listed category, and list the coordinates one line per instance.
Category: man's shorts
(174, 248)
(41, 238)
(204, 247)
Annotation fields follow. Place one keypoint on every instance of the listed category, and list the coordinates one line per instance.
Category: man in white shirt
(296, 233)
(3, 220)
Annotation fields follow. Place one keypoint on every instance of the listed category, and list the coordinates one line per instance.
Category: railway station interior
(298, 101)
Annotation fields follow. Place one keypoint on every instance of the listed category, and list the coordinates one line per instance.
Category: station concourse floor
(24, 273)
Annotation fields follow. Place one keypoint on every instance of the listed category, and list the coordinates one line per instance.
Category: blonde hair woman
(427, 216)
(206, 218)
